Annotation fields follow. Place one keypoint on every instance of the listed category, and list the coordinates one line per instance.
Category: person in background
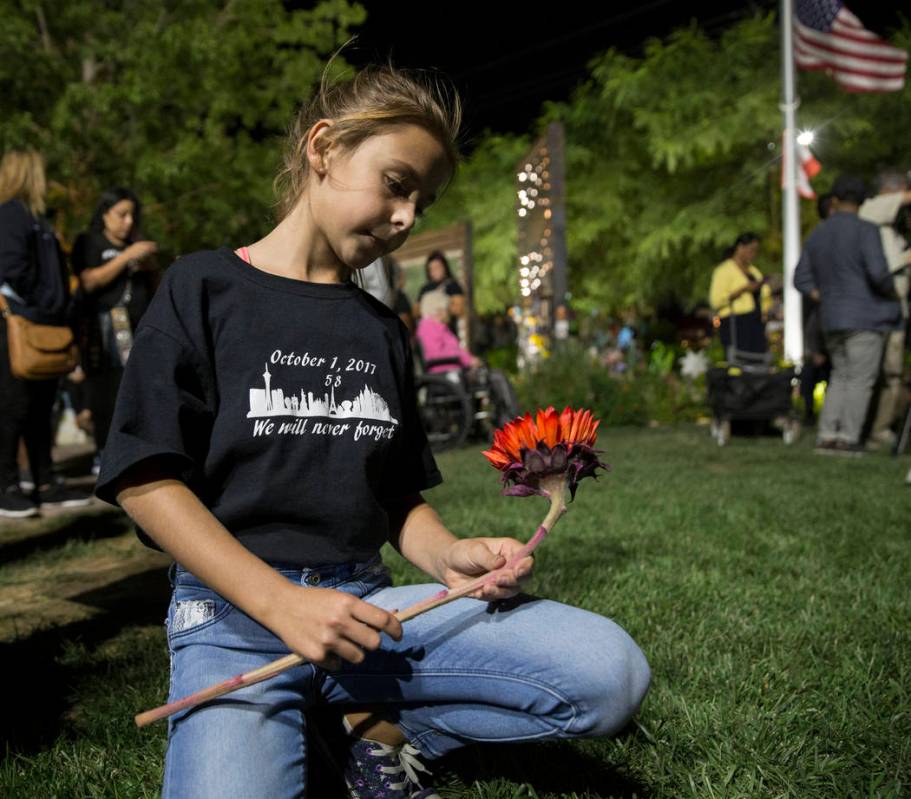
(439, 276)
(117, 276)
(843, 267)
(34, 283)
(739, 295)
(815, 367)
(883, 210)
(436, 339)
(400, 302)
(384, 280)
(376, 280)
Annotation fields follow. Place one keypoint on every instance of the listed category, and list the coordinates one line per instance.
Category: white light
(524, 271)
(523, 177)
(524, 260)
(805, 137)
(522, 212)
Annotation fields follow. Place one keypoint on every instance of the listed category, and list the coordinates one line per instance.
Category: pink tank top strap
(244, 252)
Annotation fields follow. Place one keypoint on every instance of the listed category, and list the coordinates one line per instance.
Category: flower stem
(556, 491)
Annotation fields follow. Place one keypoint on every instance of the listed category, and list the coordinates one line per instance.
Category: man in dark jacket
(843, 267)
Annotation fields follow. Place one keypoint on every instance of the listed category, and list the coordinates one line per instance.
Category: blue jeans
(524, 670)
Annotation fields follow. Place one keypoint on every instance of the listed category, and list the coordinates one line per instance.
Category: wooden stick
(557, 508)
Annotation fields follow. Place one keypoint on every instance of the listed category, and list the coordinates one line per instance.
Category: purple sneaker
(380, 771)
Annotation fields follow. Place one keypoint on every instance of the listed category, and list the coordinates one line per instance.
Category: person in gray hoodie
(843, 267)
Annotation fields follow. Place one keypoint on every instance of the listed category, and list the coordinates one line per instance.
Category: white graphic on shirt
(269, 401)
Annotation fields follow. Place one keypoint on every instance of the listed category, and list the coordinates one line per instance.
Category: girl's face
(437, 270)
(364, 203)
(118, 220)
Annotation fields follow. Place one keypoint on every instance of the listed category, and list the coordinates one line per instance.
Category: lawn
(767, 586)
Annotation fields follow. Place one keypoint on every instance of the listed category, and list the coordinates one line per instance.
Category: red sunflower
(528, 450)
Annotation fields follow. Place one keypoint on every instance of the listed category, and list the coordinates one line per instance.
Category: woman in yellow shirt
(739, 291)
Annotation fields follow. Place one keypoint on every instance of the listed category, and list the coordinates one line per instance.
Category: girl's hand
(468, 558)
(324, 625)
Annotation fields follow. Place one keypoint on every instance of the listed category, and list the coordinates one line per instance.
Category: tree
(185, 102)
(669, 156)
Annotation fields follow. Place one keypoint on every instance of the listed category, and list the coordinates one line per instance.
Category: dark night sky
(506, 59)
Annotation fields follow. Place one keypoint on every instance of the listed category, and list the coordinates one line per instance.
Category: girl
(266, 436)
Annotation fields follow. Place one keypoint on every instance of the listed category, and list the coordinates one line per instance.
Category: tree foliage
(671, 154)
(185, 102)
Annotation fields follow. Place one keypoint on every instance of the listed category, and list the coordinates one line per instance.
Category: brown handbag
(38, 352)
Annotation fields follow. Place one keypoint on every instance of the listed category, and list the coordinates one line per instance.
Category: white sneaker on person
(15, 504)
(57, 495)
(25, 481)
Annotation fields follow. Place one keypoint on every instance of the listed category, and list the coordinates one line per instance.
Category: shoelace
(408, 763)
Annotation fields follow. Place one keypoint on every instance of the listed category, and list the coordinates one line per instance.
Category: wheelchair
(459, 403)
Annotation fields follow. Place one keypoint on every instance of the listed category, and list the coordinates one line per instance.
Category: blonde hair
(22, 178)
(375, 100)
(433, 303)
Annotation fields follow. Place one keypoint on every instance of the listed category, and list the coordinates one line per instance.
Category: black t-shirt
(93, 249)
(287, 406)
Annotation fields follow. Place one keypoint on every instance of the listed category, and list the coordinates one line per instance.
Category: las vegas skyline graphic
(268, 402)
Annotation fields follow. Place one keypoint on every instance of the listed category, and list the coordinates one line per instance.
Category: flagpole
(790, 206)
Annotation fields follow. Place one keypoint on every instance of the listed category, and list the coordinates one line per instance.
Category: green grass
(768, 587)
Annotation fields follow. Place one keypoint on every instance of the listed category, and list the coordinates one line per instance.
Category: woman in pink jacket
(436, 339)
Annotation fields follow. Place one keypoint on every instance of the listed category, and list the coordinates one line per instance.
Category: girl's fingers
(524, 567)
(378, 619)
(349, 651)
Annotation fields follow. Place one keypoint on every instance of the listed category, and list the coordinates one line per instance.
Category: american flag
(831, 38)
(807, 167)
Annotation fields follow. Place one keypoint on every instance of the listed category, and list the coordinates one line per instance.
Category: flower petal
(566, 423)
(527, 432)
(548, 426)
(497, 458)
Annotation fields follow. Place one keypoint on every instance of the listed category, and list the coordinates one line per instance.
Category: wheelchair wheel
(445, 410)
